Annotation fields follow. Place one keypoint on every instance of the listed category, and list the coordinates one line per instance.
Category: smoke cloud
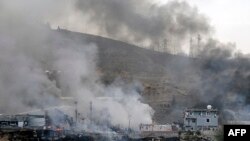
(138, 22)
(218, 75)
(142, 21)
(40, 66)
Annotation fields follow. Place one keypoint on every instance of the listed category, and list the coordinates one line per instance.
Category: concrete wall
(199, 120)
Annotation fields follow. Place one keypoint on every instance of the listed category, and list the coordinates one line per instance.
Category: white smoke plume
(30, 51)
(39, 66)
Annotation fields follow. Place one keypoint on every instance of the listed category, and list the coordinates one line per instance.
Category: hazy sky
(230, 18)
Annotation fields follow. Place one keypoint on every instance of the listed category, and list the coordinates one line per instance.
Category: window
(207, 120)
(193, 120)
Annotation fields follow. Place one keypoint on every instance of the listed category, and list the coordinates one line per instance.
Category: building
(51, 124)
(201, 119)
(154, 131)
(155, 128)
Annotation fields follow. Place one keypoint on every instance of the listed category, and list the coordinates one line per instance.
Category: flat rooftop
(201, 110)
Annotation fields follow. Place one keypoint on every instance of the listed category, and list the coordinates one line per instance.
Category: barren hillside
(172, 83)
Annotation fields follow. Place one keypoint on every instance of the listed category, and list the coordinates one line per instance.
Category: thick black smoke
(218, 75)
(142, 21)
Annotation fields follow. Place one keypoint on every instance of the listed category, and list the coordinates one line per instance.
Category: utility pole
(129, 120)
(198, 41)
(191, 48)
(91, 110)
(76, 112)
(165, 45)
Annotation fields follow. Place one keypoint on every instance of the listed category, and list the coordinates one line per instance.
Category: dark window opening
(207, 120)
